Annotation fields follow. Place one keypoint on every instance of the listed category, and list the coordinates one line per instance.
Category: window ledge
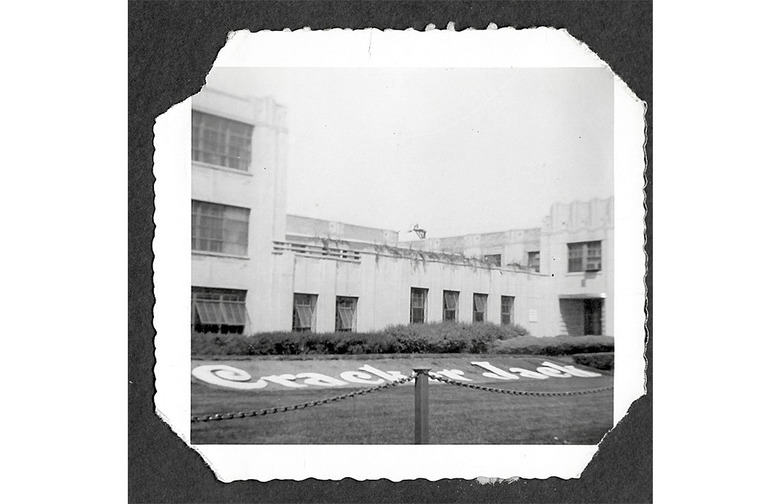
(218, 254)
(246, 173)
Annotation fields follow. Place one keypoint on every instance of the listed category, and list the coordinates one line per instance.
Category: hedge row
(559, 345)
(604, 361)
(417, 338)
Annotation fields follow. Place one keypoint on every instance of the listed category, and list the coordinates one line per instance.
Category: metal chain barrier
(282, 409)
(516, 392)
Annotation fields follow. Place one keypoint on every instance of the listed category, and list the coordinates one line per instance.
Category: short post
(421, 406)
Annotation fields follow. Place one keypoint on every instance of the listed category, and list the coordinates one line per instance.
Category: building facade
(255, 268)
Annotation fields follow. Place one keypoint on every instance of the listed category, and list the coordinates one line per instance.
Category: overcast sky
(454, 150)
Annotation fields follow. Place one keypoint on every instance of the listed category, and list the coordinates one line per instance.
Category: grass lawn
(457, 415)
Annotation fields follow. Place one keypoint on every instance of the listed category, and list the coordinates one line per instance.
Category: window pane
(304, 300)
(235, 313)
(345, 318)
(345, 313)
(506, 304)
(576, 252)
(480, 305)
(418, 304)
(507, 309)
(304, 315)
(303, 311)
(494, 259)
(220, 141)
(418, 298)
(218, 310)
(450, 305)
(534, 261)
(450, 300)
(220, 228)
(593, 256)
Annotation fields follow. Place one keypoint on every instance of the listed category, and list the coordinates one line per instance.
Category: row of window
(583, 256)
(304, 309)
(418, 313)
(305, 312)
(225, 229)
(222, 228)
(224, 310)
(532, 260)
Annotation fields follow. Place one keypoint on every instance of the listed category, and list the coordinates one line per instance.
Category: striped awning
(220, 312)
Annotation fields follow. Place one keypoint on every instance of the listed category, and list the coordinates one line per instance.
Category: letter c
(227, 376)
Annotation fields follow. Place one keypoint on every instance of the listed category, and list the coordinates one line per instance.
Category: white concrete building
(256, 269)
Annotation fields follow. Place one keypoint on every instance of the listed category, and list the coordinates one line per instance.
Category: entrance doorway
(592, 311)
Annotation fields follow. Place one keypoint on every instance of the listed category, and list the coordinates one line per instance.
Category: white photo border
(371, 48)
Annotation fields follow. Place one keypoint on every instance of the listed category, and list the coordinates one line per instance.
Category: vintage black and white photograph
(401, 256)
(349, 224)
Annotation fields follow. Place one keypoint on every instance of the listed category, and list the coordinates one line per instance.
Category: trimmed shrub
(559, 345)
(602, 360)
(443, 338)
(440, 337)
(346, 343)
(275, 343)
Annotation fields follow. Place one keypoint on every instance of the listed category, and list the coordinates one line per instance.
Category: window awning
(450, 301)
(209, 312)
(235, 313)
(345, 317)
(220, 312)
(304, 314)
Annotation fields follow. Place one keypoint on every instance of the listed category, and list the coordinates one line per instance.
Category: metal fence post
(421, 406)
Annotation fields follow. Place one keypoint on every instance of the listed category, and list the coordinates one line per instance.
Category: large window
(304, 312)
(585, 256)
(418, 307)
(534, 260)
(346, 307)
(450, 306)
(219, 228)
(507, 310)
(218, 310)
(222, 142)
(480, 307)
